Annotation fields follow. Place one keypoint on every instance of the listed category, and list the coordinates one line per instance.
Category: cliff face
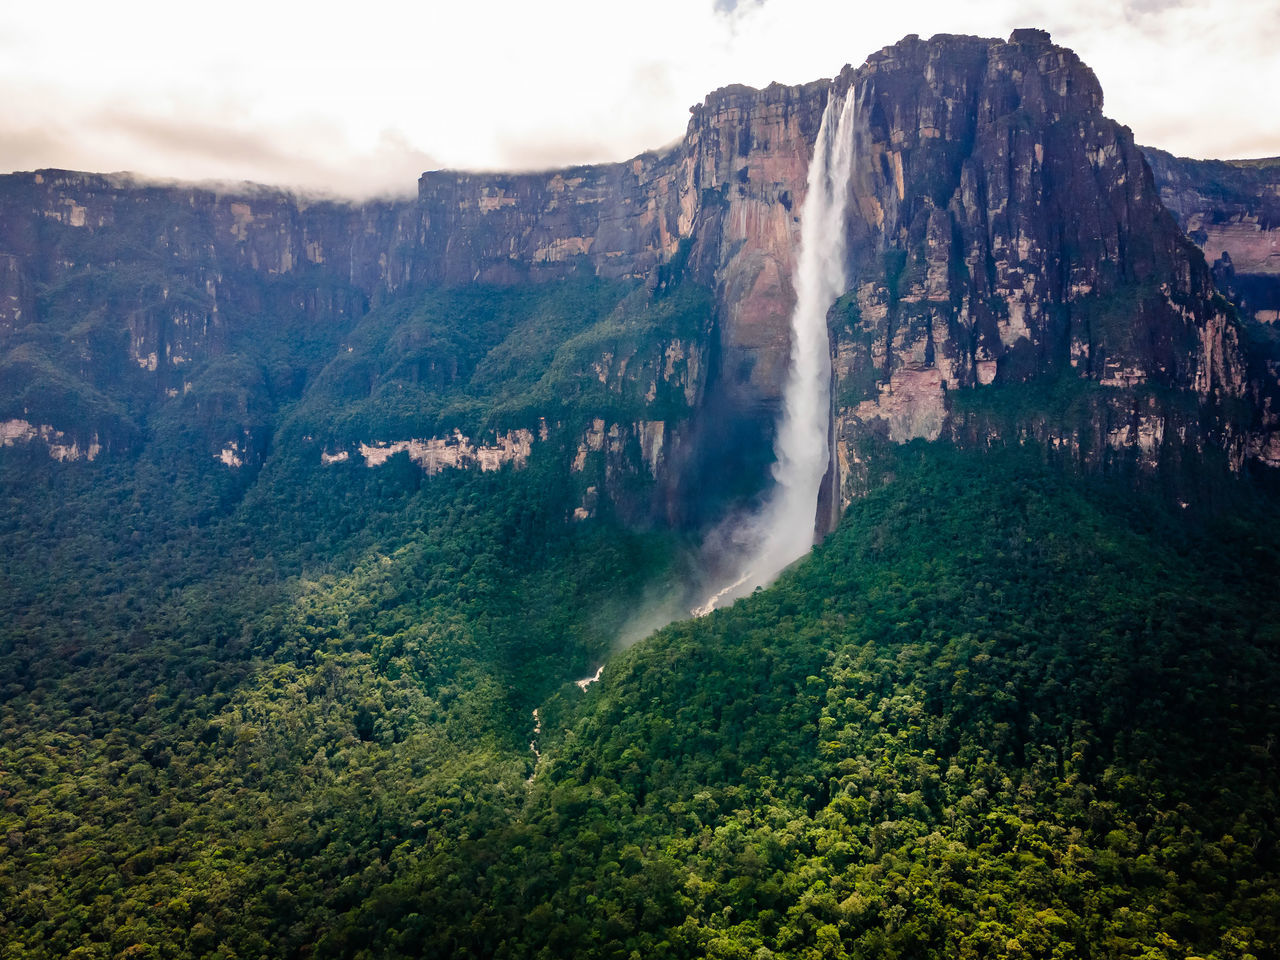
(1231, 209)
(117, 297)
(1001, 231)
(731, 189)
(1007, 232)
(621, 220)
(139, 290)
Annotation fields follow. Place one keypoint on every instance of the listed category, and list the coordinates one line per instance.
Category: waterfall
(783, 529)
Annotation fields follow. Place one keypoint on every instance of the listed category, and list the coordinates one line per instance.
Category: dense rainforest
(1004, 710)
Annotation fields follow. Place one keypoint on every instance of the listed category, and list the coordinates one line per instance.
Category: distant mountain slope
(1231, 208)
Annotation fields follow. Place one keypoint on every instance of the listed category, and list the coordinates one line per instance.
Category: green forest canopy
(1002, 711)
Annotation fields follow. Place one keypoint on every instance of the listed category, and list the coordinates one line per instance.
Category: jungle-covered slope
(1003, 711)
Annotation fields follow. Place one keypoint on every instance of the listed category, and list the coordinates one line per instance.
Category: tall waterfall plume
(783, 529)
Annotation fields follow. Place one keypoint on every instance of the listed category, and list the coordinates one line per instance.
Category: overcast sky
(358, 97)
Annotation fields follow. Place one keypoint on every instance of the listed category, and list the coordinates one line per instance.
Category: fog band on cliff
(783, 529)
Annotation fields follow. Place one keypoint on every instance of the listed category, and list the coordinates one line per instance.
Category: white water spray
(783, 530)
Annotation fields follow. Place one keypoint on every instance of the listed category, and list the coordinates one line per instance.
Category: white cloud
(357, 97)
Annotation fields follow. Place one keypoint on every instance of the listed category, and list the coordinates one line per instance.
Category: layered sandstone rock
(1231, 209)
(1006, 231)
(1002, 230)
(454, 452)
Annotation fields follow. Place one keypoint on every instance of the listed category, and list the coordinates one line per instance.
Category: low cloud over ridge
(361, 106)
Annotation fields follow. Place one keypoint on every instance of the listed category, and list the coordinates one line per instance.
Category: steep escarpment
(1007, 232)
(720, 211)
(121, 297)
(620, 220)
(124, 305)
(1231, 209)
(1002, 232)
